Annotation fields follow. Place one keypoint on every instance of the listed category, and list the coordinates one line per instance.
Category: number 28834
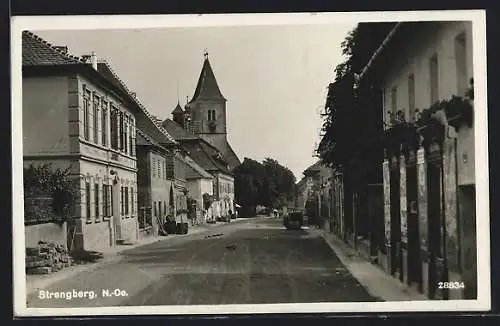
(451, 285)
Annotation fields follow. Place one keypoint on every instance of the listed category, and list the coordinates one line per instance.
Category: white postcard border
(483, 302)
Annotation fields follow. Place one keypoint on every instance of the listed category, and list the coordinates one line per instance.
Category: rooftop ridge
(53, 47)
(136, 100)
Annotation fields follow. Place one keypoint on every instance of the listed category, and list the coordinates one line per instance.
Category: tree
(268, 183)
(351, 121)
(49, 193)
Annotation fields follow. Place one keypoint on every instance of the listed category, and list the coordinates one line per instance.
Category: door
(414, 265)
(435, 226)
(396, 261)
(467, 209)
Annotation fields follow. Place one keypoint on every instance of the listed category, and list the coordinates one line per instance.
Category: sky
(274, 78)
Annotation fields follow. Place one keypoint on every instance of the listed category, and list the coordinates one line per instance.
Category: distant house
(317, 192)
(155, 185)
(210, 159)
(199, 182)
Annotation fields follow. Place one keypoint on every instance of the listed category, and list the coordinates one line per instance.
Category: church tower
(178, 115)
(208, 109)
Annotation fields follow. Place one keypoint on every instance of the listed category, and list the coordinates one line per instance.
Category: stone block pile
(47, 258)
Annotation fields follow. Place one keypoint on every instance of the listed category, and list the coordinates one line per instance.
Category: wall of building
(466, 156)
(414, 59)
(444, 42)
(225, 186)
(45, 116)
(100, 165)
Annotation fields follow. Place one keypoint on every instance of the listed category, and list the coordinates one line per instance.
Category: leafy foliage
(207, 201)
(43, 184)
(268, 183)
(456, 111)
(351, 124)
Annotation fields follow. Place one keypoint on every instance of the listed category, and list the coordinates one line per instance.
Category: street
(255, 262)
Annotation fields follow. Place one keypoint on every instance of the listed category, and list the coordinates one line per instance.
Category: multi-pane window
(104, 123)
(126, 201)
(105, 201)
(87, 201)
(131, 138)
(158, 168)
(156, 211)
(111, 210)
(165, 207)
(124, 133)
(153, 169)
(132, 200)
(122, 200)
(211, 115)
(122, 124)
(96, 118)
(96, 201)
(434, 78)
(394, 100)
(86, 114)
(114, 128)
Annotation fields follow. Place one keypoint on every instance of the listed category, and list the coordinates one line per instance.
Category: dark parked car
(294, 220)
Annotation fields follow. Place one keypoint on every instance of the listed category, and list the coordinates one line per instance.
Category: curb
(402, 291)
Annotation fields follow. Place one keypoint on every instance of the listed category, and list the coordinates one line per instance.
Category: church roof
(207, 87)
(205, 155)
(174, 129)
(231, 157)
(194, 171)
(178, 109)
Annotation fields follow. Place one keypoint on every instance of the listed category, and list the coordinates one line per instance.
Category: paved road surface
(250, 263)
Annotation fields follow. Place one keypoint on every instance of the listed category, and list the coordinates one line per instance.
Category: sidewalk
(112, 255)
(375, 281)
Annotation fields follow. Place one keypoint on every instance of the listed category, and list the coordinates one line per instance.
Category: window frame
(87, 99)
(96, 202)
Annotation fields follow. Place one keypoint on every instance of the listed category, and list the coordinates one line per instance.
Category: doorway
(396, 261)
(414, 259)
(467, 214)
(436, 261)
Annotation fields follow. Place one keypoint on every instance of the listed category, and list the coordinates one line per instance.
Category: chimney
(93, 57)
(63, 49)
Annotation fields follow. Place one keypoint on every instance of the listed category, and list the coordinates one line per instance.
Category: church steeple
(207, 87)
(178, 115)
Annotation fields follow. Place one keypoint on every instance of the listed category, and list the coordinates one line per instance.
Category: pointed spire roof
(178, 109)
(207, 87)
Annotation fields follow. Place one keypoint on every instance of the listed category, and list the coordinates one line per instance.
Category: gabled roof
(178, 109)
(205, 155)
(144, 140)
(231, 157)
(147, 122)
(194, 171)
(37, 52)
(177, 131)
(207, 87)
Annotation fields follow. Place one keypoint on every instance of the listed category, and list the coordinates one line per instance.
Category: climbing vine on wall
(49, 194)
